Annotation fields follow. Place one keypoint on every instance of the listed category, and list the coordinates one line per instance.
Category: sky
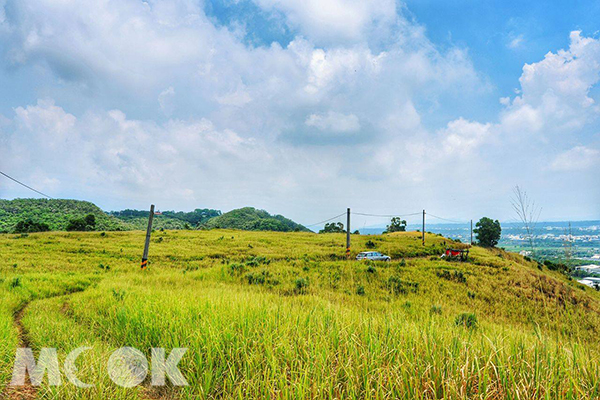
(304, 107)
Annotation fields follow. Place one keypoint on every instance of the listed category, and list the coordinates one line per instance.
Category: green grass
(281, 315)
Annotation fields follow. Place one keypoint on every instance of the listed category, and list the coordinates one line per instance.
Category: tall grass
(233, 299)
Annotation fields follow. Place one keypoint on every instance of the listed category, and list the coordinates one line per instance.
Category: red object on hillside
(462, 254)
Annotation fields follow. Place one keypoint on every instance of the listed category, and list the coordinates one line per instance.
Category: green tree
(488, 232)
(88, 223)
(29, 226)
(333, 227)
(396, 225)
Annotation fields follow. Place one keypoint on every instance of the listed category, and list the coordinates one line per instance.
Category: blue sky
(304, 108)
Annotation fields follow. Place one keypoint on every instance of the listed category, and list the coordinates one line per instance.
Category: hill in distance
(251, 219)
(57, 213)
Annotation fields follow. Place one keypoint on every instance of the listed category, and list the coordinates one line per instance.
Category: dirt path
(27, 391)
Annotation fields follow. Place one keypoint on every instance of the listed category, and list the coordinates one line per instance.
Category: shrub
(466, 320)
(371, 269)
(15, 283)
(301, 285)
(360, 290)
(435, 310)
(370, 244)
(30, 226)
(456, 276)
(236, 268)
(397, 286)
(82, 224)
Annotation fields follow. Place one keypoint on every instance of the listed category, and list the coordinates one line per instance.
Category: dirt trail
(27, 391)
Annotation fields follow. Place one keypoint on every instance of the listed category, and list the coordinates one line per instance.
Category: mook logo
(126, 367)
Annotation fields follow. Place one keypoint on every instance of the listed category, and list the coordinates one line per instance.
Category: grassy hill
(286, 315)
(55, 213)
(251, 219)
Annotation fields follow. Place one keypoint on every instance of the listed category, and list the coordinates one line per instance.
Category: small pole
(148, 233)
(471, 232)
(423, 235)
(348, 232)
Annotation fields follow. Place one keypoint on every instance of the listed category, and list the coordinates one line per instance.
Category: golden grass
(285, 315)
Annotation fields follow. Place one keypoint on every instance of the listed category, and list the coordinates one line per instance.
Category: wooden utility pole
(348, 232)
(471, 232)
(148, 233)
(423, 235)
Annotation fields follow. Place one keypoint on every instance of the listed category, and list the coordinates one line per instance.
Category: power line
(327, 220)
(28, 187)
(385, 215)
(446, 219)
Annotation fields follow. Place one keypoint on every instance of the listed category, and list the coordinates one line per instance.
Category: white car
(372, 255)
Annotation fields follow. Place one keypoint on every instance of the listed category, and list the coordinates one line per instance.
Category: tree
(29, 226)
(82, 224)
(396, 225)
(333, 227)
(488, 232)
(528, 213)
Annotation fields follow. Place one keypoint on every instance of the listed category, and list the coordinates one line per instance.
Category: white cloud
(334, 20)
(516, 42)
(578, 158)
(461, 137)
(334, 122)
(242, 118)
(165, 99)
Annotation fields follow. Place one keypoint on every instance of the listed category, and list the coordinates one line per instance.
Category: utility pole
(148, 233)
(471, 232)
(423, 227)
(348, 232)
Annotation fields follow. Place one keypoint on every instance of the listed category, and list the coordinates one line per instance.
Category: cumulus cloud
(345, 104)
(334, 122)
(555, 92)
(334, 20)
(576, 159)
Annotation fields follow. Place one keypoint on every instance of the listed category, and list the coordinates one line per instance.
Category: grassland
(286, 316)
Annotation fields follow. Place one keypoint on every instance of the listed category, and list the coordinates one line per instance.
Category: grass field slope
(287, 316)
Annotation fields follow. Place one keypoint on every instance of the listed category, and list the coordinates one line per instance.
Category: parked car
(372, 255)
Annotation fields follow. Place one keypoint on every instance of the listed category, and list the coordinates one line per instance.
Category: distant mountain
(54, 213)
(251, 219)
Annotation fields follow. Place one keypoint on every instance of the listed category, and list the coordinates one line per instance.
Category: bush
(30, 226)
(360, 290)
(236, 268)
(456, 276)
(397, 286)
(370, 244)
(82, 224)
(261, 278)
(15, 283)
(301, 285)
(466, 320)
(435, 310)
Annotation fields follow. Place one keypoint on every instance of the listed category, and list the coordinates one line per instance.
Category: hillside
(138, 219)
(251, 219)
(286, 315)
(56, 213)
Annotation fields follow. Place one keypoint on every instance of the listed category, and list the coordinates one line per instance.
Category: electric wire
(22, 184)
